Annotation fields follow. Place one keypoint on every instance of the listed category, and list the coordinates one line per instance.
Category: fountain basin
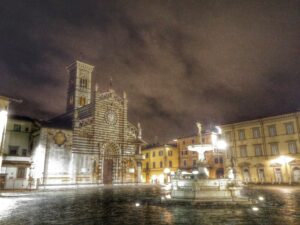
(207, 191)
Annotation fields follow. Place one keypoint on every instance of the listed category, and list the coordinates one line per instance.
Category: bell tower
(80, 79)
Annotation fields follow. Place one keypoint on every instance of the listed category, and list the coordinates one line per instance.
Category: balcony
(17, 161)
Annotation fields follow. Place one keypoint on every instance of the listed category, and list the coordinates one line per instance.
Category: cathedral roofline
(80, 65)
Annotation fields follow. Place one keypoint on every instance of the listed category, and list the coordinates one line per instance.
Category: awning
(16, 163)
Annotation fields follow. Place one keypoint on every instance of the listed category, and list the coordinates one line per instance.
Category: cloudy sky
(179, 61)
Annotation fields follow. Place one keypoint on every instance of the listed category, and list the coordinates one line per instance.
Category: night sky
(179, 61)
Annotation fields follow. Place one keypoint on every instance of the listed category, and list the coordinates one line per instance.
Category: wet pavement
(141, 205)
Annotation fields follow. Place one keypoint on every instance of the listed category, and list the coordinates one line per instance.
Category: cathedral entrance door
(107, 171)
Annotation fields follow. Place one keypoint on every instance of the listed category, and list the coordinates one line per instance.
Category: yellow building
(265, 150)
(159, 163)
(188, 159)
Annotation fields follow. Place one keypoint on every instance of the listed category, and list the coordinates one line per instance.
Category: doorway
(246, 175)
(108, 171)
(261, 175)
(278, 175)
(296, 175)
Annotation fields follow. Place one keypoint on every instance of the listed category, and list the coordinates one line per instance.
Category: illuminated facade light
(167, 170)
(3, 121)
(282, 159)
(221, 144)
(219, 129)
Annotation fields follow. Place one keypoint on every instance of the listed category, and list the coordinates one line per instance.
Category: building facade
(265, 150)
(17, 148)
(93, 142)
(159, 163)
(188, 159)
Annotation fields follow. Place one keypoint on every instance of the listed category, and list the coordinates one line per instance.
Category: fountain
(197, 187)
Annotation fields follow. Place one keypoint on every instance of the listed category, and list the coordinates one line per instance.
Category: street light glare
(221, 144)
(3, 121)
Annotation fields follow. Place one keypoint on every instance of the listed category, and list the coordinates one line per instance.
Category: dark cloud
(178, 61)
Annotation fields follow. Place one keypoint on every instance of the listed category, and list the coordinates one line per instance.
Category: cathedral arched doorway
(110, 163)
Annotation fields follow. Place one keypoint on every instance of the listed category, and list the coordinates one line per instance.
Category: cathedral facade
(93, 142)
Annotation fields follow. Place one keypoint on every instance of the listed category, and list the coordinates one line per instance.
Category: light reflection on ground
(118, 205)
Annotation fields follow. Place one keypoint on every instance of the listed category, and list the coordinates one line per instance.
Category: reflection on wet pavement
(141, 205)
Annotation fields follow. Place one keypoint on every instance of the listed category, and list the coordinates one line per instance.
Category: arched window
(83, 83)
(82, 101)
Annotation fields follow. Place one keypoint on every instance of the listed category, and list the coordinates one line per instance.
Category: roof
(257, 118)
(22, 117)
(157, 145)
(64, 121)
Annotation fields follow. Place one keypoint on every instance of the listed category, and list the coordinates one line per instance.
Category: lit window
(289, 127)
(292, 147)
(82, 101)
(274, 149)
(241, 134)
(243, 151)
(256, 132)
(272, 130)
(258, 150)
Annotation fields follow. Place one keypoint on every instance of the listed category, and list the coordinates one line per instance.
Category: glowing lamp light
(131, 170)
(255, 209)
(221, 144)
(168, 196)
(3, 121)
(195, 172)
(219, 129)
(261, 198)
(282, 159)
(167, 170)
(214, 138)
(137, 204)
(206, 171)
